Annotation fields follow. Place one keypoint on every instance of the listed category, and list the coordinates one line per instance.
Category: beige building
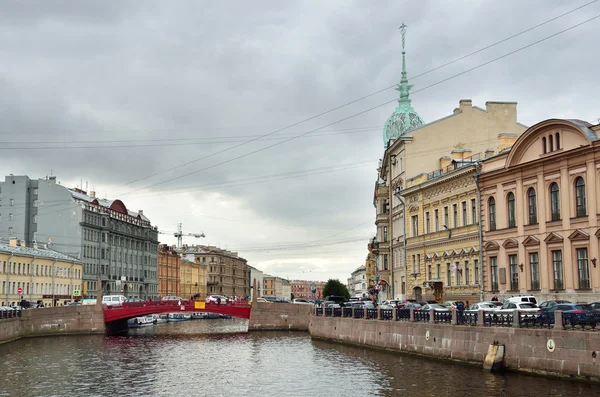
(40, 274)
(227, 272)
(418, 151)
(540, 205)
(442, 224)
(193, 278)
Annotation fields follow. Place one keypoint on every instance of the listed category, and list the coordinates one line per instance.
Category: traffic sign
(76, 292)
(19, 290)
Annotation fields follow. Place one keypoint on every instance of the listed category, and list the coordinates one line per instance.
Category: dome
(404, 118)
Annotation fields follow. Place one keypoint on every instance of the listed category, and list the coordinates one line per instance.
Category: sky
(163, 105)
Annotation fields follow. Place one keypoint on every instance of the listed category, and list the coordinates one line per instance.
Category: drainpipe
(477, 173)
(399, 197)
(31, 277)
(53, 270)
(8, 280)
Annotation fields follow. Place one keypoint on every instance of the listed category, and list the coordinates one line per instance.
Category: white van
(522, 299)
(113, 300)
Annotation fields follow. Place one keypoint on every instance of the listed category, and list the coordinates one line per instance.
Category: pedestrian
(218, 300)
(494, 298)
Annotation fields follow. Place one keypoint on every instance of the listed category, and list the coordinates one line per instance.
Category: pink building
(540, 209)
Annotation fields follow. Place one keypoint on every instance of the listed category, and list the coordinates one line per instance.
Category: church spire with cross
(404, 118)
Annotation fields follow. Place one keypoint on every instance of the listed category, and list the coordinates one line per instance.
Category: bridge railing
(176, 303)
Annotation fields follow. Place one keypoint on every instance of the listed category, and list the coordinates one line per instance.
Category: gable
(579, 234)
(531, 240)
(510, 243)
(491, 246)
(553, 238)
(530, 146)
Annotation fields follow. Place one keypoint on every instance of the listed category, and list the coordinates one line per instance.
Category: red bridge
(138, 309)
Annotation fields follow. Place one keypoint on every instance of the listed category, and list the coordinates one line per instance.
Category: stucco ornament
(404, 118)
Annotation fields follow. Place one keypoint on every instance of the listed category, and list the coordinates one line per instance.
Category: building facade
(443, 242)
(117, 246)
(169, 280)
(413, 147)
(257, 276)
(269, 285)
(40, 274)
(306, 289)
(227, 272)
(193, 277)
(358, 285)
(539, 204)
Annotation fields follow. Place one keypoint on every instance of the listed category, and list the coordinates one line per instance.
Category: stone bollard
(378, 313)
(558, 319)
(432, 316)
(352, 312)
(515, 323)
(412, 314)
(481, 317)
(324, 307)
(365, 312)
(454, 320)
(394, 314)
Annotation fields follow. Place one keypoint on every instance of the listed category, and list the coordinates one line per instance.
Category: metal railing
(421, 316)
(372, 314)
(346, 312)
(359, 312)
(581, 321)
(442, 316)
(498, 319)
(318, 311)
(402, 314)
(328, 311)
(337, 312)
(536, 320)
(469, 318)
(387, 314)
(10, 313)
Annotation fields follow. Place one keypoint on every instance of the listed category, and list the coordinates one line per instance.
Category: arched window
(557, 140)
(492, 213)
(544, 144)
(531, 199)
(555, 202)
(512, 222)
(580, 197)
(551, 142)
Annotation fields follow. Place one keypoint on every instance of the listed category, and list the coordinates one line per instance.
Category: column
(592, 208)
(566, 192)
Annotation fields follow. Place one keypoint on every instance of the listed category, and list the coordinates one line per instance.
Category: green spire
(404, 118)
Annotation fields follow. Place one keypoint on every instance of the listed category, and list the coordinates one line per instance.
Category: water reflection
(184, 359)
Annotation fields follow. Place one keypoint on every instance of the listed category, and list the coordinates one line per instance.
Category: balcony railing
(559, 284)
(584, 284)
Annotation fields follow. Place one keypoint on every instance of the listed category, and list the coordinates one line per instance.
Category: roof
(116, 205)
(39, 253)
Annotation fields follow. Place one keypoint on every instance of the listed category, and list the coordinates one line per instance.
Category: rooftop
(39, 252)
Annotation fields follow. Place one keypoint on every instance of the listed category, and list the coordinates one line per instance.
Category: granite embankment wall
(279, 316)
(574, 354)
(63, 320)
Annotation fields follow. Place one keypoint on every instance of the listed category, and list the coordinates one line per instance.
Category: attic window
(544, 144)
(551, 141)
(557, 140)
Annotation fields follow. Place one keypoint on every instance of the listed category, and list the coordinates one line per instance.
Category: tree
(336, 288)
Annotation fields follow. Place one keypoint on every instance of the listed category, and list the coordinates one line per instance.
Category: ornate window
(514, 273)
(512, 222)
(558, 270)
(557, 140)
(580, 197)
(544, 145)
(492, 213)
(531, 199)
(583, 268)
(535, 270)
(554, 202)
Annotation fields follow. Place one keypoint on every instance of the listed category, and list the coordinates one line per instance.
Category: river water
(204, 358)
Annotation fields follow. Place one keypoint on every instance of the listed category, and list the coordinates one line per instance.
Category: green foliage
(335, 287)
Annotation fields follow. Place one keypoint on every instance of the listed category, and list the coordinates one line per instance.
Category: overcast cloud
(193, 78)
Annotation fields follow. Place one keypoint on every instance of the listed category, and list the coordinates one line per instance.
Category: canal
(203, 358)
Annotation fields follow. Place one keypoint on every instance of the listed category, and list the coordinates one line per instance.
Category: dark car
(549, 304)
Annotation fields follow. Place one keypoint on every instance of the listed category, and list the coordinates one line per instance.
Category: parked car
(214, 299)
(595, 305)
(135, 300)
(412, 305)
(262, 300)
(451, 304)
(403, 303)
(524, 298)
(523, 307)
(171, 298)
(574, 308)
(435, 306)
(364, 305)
(386, 307)
(114, 300)
(301, 301)
(487, 306)
(548, 304)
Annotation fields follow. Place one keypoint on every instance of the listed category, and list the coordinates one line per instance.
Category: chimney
(92, 194)
(23, 244)
(52, 179)
(489, 153)
(465, 104)
(506, 140)
(141, 212)
(13, 242)
(35, 246)
(445, 162)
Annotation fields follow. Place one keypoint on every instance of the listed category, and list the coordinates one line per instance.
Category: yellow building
(193, 277)
(39, 274)
(442, 231)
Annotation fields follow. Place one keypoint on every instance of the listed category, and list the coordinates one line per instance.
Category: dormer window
(551, 142)
(557, 140)
(544, 145)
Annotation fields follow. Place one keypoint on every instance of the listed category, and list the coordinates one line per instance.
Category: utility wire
(363, 97)
(362, 112)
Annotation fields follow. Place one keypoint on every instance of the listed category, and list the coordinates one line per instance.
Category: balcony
(584, 284)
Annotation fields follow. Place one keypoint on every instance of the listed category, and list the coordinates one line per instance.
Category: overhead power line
(363, 97)
(362, 112)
